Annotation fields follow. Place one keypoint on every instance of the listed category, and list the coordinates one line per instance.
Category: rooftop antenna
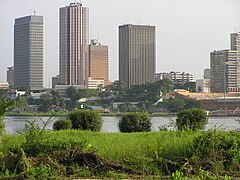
(34, 10)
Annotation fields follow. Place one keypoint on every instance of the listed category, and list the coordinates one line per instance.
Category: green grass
(153, 154)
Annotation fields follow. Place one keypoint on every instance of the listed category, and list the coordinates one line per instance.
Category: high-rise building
(137, 54)
(235, 41)
(225, 65)
(98, 62)
(10, 74)
(29, 52)
(74, 44)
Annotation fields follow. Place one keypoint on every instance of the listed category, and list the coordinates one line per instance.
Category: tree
(193, 118)
(190, 86)
(5, 105)
(135, 122)
(175, 105)
(46, 104)
(21, 102)
(118, 90)
(86, 120)
(72, 93)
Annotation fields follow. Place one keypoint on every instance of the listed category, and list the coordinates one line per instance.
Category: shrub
(62, 124)
(135, 122)
(193, 118)
(86, 120)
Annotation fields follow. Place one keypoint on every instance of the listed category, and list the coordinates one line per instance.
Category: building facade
(137, 54)
(29, 52)
(225, 65)
(10, 74)
(235, 41)
(74, 44)
(175, 77)
(98, 62)
(55, 81)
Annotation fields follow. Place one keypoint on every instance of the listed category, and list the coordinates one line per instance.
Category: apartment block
(98, 62)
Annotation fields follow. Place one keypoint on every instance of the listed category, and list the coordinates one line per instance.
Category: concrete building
(175, 77)
(203, 85)
(55, 81)
(94, 84)
(29, 52)
(98, 62)
(137, 54)
(182, 77)
(207, 74)
(4, 85)
(163, 75)
(225, 75)
(235, 41)
(74, 44)
(10, 74)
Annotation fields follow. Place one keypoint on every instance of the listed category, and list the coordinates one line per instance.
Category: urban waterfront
(14, 124)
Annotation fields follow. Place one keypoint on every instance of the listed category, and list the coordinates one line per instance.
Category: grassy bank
(72, 153)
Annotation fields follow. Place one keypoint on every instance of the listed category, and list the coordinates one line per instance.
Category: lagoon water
(14, 124)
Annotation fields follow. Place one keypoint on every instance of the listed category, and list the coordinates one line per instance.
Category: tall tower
(98, 62)
(137, 54)
(74, 42)
(29, 52)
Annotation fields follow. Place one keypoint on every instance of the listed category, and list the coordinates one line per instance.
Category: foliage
(149, 91)
(190, 86)
(5, 105)
(135, 122)
(62, 124)
(46, 104)
(75, 154)
(86, 120)
(21, 102)
(51, 102)
(175, 105)
(193, 118)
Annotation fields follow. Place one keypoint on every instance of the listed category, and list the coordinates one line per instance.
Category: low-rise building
(4, 85)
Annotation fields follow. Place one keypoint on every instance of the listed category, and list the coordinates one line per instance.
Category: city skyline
(192, 26)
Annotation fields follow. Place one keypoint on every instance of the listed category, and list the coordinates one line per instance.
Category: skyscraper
(74, 45)
(28, 52)
(137, 54)
(98, 62)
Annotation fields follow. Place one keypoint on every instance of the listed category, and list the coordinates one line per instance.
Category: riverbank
(84, 154)
(62, 114)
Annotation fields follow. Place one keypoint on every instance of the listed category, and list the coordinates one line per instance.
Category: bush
(86, 120)
(135, 122)
(62, 124)
(193, 118)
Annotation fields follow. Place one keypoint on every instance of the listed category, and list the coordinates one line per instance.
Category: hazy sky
(187, 30)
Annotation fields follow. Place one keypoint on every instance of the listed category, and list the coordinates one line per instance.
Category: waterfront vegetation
(40, 154)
